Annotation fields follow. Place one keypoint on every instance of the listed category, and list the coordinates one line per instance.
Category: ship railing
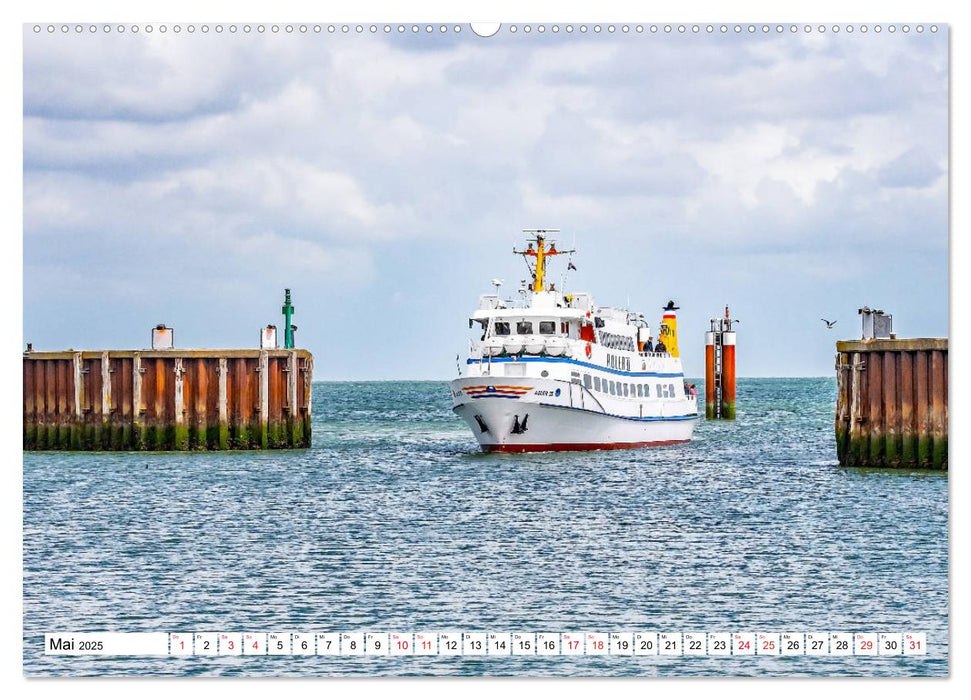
(654, 354)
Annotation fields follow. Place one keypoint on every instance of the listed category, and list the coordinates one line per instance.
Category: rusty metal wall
(167, 400)
(891, 403)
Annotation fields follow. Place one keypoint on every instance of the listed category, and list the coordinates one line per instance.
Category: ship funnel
(668, 333)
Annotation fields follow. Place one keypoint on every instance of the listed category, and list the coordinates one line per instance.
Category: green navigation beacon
(289, 327)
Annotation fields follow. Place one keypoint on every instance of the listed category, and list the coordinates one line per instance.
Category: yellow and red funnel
(669, 329)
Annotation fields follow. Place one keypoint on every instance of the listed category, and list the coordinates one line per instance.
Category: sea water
(394, 521)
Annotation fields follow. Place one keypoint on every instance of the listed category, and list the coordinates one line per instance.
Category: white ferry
(557, 372)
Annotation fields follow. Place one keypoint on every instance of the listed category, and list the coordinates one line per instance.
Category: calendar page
(521, 259)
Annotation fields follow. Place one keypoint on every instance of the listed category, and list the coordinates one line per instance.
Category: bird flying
(829, 324)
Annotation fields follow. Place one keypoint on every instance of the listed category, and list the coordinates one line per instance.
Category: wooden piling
(891, 403)
(938, 420)
(167, 399)
(223, 370)
(711, 395)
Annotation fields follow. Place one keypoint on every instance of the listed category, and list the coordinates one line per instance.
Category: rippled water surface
(395, 522)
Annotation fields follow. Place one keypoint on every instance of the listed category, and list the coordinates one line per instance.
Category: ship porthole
(544, 373)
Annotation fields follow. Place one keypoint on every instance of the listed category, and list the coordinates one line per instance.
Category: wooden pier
(167, 399)
(891, 405)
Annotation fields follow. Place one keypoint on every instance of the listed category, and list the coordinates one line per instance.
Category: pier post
(181, 431)
(939, 422)
(308, 374)
(294, 424)
(137, 407)
(264, 399)
(30, 412)
(908, 433)
(875, 387)
(728, 375)
(105, 440)
(77, 425)
(891, 397)
(923, 424)
(223, 405)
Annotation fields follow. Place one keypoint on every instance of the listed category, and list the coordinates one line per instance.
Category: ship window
(659, 394)
(626, 389)
(524, 327)
(587, 381)
(613, 388)
(502, 328)
(547, 327)
(671, 390)
(640, 390)
(596, 383)
(647, 390)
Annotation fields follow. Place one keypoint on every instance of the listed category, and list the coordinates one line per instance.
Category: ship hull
(559, 416)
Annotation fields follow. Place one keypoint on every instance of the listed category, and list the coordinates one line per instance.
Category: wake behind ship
(557, 372)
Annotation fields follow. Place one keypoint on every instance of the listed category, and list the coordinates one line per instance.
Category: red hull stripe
(577, 446)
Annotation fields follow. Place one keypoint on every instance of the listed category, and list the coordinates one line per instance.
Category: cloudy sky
(187, 179)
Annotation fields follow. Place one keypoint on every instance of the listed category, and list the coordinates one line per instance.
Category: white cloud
(183, 162)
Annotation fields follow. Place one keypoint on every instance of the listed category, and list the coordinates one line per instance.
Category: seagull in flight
(829, 324)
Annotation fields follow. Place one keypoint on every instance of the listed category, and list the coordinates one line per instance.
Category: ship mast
(540, 252)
